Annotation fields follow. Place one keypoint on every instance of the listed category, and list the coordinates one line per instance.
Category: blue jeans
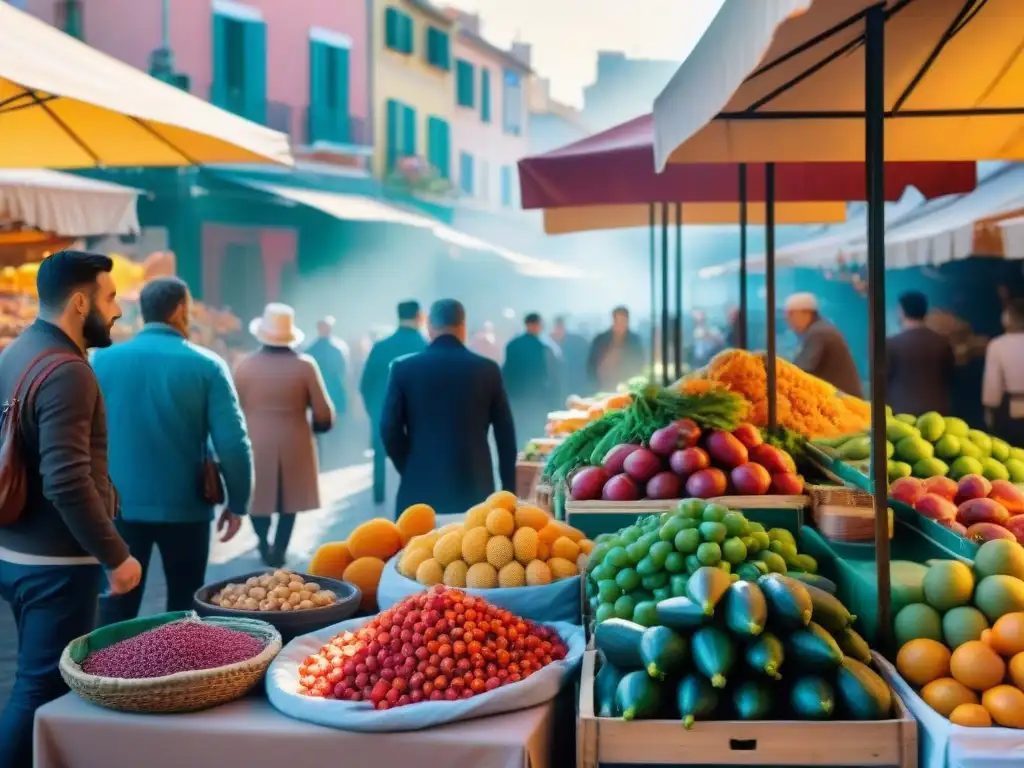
(52, 605)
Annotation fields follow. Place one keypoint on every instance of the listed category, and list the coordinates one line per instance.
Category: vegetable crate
(602, 741)
(597, 517)
(527, 476)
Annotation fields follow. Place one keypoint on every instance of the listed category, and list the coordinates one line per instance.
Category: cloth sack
(283, 679)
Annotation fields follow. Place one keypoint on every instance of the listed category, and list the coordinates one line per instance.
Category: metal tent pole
(664, 295)
(654, 291)
(769, 289)
(742, 319)
(874, 153)
(678, 342)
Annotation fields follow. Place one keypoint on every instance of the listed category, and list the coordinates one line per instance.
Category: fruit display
(581, 411)
(932, 445)
(975, 507)
(630, 573)
(962, 644)
(770, 648)
(805, 404)
(680, 460)
(360, 559)
(500, 542)
(539, 449)
(279, 590)
(438, 645)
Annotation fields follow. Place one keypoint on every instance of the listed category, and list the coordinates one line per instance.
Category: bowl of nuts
(295, 603)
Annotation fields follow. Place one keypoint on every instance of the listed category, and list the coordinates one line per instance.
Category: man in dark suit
(616, 355)
(374, 381)
(531, 378)
(921, 362)
(440, 406)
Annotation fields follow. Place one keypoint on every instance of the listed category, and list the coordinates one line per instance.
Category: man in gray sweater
(823, 352)
(52, 557)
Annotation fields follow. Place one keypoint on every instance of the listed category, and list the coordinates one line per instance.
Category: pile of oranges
(980, 683)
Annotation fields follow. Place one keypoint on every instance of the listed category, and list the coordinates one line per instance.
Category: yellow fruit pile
(500, 543)
(360, 559)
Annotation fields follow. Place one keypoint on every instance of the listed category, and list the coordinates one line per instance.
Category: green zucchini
(696, 699)
(619, 641)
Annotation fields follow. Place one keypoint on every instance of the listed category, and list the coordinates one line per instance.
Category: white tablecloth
(71, 733)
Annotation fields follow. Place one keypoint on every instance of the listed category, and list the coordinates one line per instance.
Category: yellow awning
(591, 218)
(66, 105)
(954, 84)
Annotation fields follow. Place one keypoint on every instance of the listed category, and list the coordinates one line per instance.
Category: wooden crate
(851, 744)
(527, 476)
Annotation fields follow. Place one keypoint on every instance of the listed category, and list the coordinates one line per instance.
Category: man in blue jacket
(167, 399)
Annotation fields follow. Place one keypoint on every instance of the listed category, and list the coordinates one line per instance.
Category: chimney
(467, 21)
(523, 52)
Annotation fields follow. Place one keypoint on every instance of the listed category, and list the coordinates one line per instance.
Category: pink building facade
(288, 53)
(490, 125)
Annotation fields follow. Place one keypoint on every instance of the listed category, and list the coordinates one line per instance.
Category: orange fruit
(986, 636)
(971, 715)
(1008, 634)
(977, 666)
(922, 660)
(1017, 670)
(946, 694)
(1006, 705)
(502, 500)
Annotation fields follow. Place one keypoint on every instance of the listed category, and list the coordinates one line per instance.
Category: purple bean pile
(181, 646)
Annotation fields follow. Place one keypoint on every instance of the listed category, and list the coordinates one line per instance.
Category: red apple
(706, 484)
(943, 486)
(786, 484)
(981, 511)
(936, 507)
(689, 432)
(972, 487)
(1009, 495)
(773, 459)
(750, 479)
(908, 490)
(726, 450)
(689, 460)
(749, 435)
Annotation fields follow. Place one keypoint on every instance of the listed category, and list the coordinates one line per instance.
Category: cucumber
(662, 652)
(713, 654)
(827, 610)
(812, 698)
(789, 603)
(605, 682)
(814, 648)
(746, 610)
(852, 644)
(863, 693)
(815, 580)
(752, 700)
(619, 641)
(680, 613)
(706, 587)
(765, 655)
(638, 696)
(696, 699)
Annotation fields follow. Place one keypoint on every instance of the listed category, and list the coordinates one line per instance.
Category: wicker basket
(838, 496)
(180, 692)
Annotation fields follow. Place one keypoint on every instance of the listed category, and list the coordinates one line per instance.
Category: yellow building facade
(412, 93)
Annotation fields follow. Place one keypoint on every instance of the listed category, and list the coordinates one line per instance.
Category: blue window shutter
(446, 151)
(506, 185)
(392, 33)
(464, 83)
(219, 87)
(466, 173)
(256, 71)
(341, 100)
(439, 146)
(392, 149)
(318, 113)
(485, 95)
(408, 131)
(408, 31)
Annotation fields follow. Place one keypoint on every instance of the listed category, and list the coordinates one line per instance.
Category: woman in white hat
(284, 399)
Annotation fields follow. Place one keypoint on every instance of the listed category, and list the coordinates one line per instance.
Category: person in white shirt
(1002, 389)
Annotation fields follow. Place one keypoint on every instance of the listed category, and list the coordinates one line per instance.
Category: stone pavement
(347, 503)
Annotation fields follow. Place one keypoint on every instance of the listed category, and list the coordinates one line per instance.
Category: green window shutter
(392, 32)
(464, 76)
(438, 49)
(439, 146)
(445, 167)
(341, 98)
(408, 131)
(394, 118)
(256, 71)
(219, 86)
(407, 34)
(316, 128)
(485, 95)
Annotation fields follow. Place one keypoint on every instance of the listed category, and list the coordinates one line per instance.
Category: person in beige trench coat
(278, 388)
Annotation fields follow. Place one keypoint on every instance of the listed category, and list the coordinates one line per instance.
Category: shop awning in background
(66, 105)
(348, 207)
(783, 80)
(66, 205)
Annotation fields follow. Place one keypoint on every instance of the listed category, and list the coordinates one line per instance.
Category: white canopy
(67, 205)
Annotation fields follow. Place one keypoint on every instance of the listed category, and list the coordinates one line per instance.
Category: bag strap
(59, 358)
(28, 369)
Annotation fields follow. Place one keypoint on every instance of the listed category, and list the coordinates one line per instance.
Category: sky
(566, 34)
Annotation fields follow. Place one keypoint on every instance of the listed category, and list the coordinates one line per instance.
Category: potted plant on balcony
(413, 175)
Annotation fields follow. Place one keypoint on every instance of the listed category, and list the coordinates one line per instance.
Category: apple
(689, 460)
(748, 434)
(786, 484)
(689, 432)
(972, 487)
(908, 490)
(773, 459)
(726, 450)
(943, 486)
(751, 479)
(707, 483)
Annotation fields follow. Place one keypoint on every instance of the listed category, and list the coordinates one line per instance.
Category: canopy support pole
(769, 289)
(874, 153)
(741, 320)
(678, 337)
(654, 292)
(664, 295)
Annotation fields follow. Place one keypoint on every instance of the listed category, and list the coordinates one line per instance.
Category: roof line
(431, 10)
(489, 47)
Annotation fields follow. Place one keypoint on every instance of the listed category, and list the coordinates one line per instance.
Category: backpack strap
(58, 359)
(24, 375)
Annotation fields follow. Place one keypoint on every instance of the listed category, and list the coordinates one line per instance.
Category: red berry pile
(440, 645)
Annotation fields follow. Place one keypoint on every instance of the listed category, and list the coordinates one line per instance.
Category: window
(512, 103)
(398, 31)
(401, 132)
(439, 149)
(438, 49)
(485, 94)
(465, 96)
(506, 186)
(240, 62)
(484, 182)
(329, 67)
(466, 173)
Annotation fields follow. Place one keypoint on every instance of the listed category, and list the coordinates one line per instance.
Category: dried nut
(312, 586)
(295, 586)
(293, 598)
(305, 594)
(306, 605)
(258, 593)
(286, 606)
(252, 581)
